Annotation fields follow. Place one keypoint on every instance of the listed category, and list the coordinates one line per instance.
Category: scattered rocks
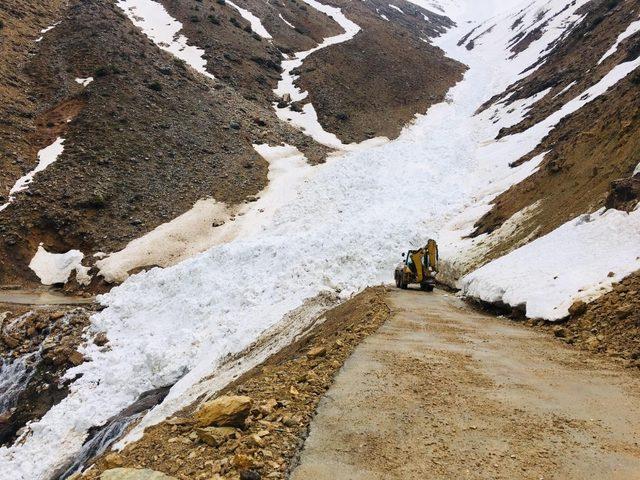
(225, 411)
(317, 352)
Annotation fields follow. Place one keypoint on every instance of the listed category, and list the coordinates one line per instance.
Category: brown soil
(292, 379)
(442, 392)
(375, 83)
(588, 150)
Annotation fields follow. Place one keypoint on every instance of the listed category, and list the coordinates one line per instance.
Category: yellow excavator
(419, 266)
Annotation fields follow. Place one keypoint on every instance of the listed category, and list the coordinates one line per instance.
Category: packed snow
(396, 8)
(571, 263)
(52, 268)
(256, 24)
(46, 157)
(156, 23)
(45, 30)
(334, 232)
(632, 29)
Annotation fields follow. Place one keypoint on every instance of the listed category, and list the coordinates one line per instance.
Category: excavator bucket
(431, 256)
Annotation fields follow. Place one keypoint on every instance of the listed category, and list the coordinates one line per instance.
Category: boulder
(577, 308)
(215, 436)
(624, 311)
(225, 411)
(134, 474)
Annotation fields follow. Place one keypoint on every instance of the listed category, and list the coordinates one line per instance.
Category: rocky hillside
(145, 136)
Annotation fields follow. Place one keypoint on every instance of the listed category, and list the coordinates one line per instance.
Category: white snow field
(341, 227)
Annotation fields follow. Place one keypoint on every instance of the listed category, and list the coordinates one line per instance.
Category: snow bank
(256, 24)
(572, 262)
(632, 29)
(156, 23)
(54, 268)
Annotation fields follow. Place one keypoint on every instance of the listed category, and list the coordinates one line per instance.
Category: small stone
(317, 352)
(560, 332)
(100, 339)
(577, 308)
(113, 460)
(76, 358)
(242, 461)
(56, 315)
(267, 407)
(592, 343)
(249, 475)
(215, 436)
(624, 311)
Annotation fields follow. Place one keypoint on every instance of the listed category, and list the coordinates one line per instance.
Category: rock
(267, 407)
(10, 341)
(577, 308)
(242, 461)
(560, 332)
(592, 343)
(286, 98)
(317, 352)
(75, 358)
(101, 339)
(113, 460)
(290, 420)
(225, 411)
(249, 475)
(624, 311)
(257, 440)
(56, 315)
(134, 474)
(215, 436)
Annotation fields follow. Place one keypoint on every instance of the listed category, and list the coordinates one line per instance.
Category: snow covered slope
(342, 229)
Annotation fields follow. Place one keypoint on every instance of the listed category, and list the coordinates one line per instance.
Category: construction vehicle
(419, 266)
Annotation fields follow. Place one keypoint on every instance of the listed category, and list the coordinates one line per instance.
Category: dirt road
(442, 391)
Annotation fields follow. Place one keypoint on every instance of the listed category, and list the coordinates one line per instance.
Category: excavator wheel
(399, 282)
(426, 287)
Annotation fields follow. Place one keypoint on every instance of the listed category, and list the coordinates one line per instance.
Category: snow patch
(156, 23)
(632, 29)
(256, 24)
(285, 21)
(572, 262)
(54, 268)
(396, 8)
(307, 119)
(46, 157)
(84, 81)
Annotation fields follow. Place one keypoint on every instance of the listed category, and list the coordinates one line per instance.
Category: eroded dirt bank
(441, 391)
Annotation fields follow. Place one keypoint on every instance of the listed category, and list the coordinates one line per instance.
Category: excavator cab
(419, 266)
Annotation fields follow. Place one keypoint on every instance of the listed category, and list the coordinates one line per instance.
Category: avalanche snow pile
(338, 229)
